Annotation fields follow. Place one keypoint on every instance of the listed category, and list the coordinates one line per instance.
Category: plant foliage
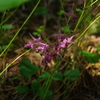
(92, 58)
(8, 4)
(28, 69)
(72, 74)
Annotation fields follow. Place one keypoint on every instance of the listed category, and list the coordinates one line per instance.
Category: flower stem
(14, 61)
(50, 78)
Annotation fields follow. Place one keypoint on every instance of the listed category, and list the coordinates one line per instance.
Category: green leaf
(88, 19)
(6, 26)
(61, 12)
(36, 34)
(42, 27)
(58, 76)
(44, 75)
(49, 94)
(41, 10)
(41, 91)
(1, 81)
(0, 75)
(8, 4)
(22, 89)
(2, 47)
(92, 58)
(79, 10)
(14, 78)
(35, 85)
(72, 75)
(66, 29)
(98, 47)
(39, 30)
(28, 69)
(26, 72)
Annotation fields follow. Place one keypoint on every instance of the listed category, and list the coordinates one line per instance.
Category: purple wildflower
(69, 39)
(59, 36)
(46, 59)
(63, 44)
(49, 55)
(35, 39)
(42, 46)
(69, 14)
(29, 45)
(62, 41)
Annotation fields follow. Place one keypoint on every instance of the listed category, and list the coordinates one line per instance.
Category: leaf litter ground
(86, 87)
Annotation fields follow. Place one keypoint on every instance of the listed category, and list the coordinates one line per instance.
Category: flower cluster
(62, 41)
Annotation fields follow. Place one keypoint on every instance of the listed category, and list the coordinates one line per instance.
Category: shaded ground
(86, 87)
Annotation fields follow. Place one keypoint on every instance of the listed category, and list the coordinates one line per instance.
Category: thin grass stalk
(20, 28)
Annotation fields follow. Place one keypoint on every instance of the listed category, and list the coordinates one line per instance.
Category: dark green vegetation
(67, 64)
